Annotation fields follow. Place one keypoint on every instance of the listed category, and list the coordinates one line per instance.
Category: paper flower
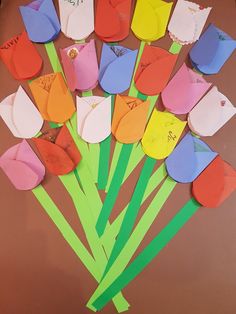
(211, 113)
(52, 97)
(41, 21)
(80, 66)
(154, 70)
(116, 68)
(20, 114)
(184, 90)
(215, 183)
(150, 19)
(94, 118)
(112, 21)
(77, 18)
(129, 119)
(21, 57)
(22, 166)
(187, 22)
(58, 151)
(212, 50)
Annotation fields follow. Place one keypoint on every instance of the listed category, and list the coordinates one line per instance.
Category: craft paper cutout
(80, 66)
(215, 183)
(116, 68)
(184, 90)
(41, 21)
(113, 19)
(52, 97)
(20, 115)
(129, 119)
(187, 22)
(58, 151)
(211, 113)
(154, 70)
(212, 50)
(77, 18)
(22, 166)
(150, 19)
(190, 157)
(21, 57)
(93, 118)
(162, 134)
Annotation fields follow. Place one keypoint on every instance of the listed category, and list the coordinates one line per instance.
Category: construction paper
(190, 157)
(212, 112)
(154, 70)
(112, 20)
(52, 97)
(162, 134)
(41, 21)
(150, 19)
(54, 60)
(77, 18)
(212, 50)
(21, 57)
(187, 22)
(116, 68)
(81, 66)
(58, 150)
(129, 119)
(215, 183)
(22, 166)
(189, 86)
(20, 115)
(93, 118)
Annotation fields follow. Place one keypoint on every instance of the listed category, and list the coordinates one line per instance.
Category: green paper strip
(54, 60)
(149, 253)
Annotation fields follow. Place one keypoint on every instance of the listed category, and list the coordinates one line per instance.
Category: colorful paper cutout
(22, 166)
(58, 150)
(190, 157)
(184, 90)
(52, 97)
(41, 21)
(150, 19)
(112, 21)
(116, 68)
(212, 50)
(21, 57)
(154, 70)
(211, 113)
(80, 66)
(187, 22)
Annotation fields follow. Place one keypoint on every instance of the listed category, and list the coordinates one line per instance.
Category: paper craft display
(212, 50)
(154, 70)
(212, 112)
(80, 66)
(184, 90)
(215, 183)
(22, 166)
(129, 119)
(187, 22)
(77, 18)
(150, 19)
(58, 151)
(41, 21)
(21, 57)
(20, 115)
(190, 157)
(93, 118)
(116, 68)
(112, 21)
(53, 97)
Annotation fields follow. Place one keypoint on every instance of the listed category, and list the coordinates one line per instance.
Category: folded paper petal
(215, 183)
(211, 113)
(21, 57)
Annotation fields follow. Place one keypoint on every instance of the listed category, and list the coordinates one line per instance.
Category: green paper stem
(54, 60)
